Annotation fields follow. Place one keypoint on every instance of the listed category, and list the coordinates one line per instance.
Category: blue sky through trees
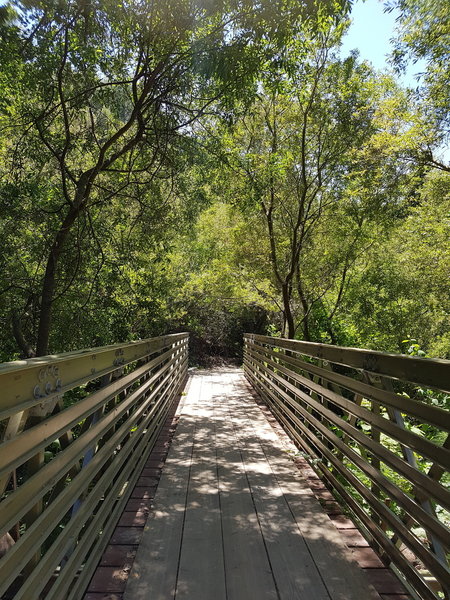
(370, 32)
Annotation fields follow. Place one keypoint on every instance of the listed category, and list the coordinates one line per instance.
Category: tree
(215, 292)
(100, 95)
(424, 34)
(298, 150)
(400, 291)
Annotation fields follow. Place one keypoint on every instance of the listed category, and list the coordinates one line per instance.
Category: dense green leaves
(424, 34)
(215, 166)
(100, 97)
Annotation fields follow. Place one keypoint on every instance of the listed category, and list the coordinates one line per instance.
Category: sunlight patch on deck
(233, 519)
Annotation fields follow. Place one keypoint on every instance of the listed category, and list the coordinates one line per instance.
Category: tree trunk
(25, 348)
(305, 327)
(49, 283)
(48, 290)
(330, 331)
(305, 307)
(289, 326)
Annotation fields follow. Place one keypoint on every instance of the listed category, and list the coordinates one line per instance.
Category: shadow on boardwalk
(233, 518)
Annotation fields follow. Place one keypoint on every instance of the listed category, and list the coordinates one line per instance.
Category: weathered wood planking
(243, 543)
(201, 573)
(341, 575)
(156, 563)
(233, 519)
(286, 548)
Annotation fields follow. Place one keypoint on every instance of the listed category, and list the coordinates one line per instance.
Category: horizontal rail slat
(428, 558)
(424, 371)
(16, 451)
(70, 569)
(404, 501)
(426, 485)
(372, 527)
(37, 486)
(423, 446)
(427, 413)
(20, 378)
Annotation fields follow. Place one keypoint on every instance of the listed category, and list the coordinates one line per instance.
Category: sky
(370, 33)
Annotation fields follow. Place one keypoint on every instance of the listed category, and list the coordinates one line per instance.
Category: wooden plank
(201, 573)
(342, 577)
(155, 568)
(294, 569)
(233, 518)
(248, 571)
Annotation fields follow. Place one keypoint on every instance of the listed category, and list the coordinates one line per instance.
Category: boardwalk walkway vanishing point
(233, 518)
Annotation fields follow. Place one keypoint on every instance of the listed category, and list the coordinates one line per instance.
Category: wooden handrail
(433, 373)
(351, 412)
(100, 412)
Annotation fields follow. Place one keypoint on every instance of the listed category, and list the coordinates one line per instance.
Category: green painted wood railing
(363, 420)
(75, 431)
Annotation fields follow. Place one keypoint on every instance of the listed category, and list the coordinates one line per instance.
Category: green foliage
(424, 34)
(101, 100)
(213, 166)
(154, 145)
(402, 288)
(215, 294)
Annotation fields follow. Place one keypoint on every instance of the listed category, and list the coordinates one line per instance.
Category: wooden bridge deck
(234, 519)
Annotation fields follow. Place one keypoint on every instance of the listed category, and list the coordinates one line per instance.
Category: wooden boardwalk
(232, 517)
